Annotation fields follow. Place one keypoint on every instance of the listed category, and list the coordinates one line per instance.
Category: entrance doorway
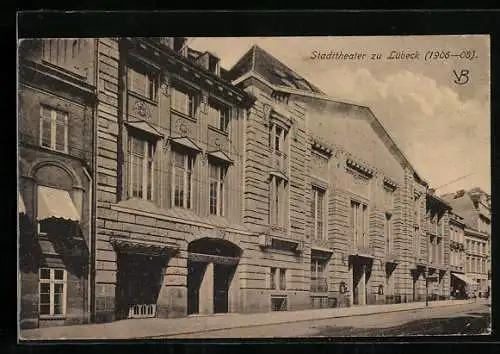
(361, 270)
(211, 276)
(417, 280)
(139, 280)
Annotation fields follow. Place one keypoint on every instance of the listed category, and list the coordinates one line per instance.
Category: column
(233, 292)
(350, 284)
(206, 295)
(362, 285)
(172, 299)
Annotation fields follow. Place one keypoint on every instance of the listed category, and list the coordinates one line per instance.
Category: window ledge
(141, 97)
(53, 150)
(52, 317)
(64, 69)
(211, 127)
(183, 115)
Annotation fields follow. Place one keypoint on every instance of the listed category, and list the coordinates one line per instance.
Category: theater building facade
(359, 207)
(55, 138)
(197, 190)
(171, 238)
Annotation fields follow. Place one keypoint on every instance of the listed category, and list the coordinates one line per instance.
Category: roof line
(327, 98)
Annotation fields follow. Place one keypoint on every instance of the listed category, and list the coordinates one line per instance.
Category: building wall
(158, 220)
(478, 275)
(46, 79)
(257, 168)
(341, 126)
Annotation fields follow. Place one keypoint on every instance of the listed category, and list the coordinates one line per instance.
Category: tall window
(283, 279)
(53, 129)
(317, 208)
(273, 279)
(52, 291)
(141, 156)
(142, 81)
(277, 201)
(182, 179)
(218, 115)
(416, 209)
(388, 233)
(416, 241)
(318, 279)
(277, 138)
(216, 176)
(358, 219)
(184, 101)
(66, 53)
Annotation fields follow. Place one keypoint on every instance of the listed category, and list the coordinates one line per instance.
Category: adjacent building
(475, 208)
(56, 96)
(460, 284)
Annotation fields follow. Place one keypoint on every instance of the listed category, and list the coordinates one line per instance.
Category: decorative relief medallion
(182, 126)
(217, 142)
(142, 110)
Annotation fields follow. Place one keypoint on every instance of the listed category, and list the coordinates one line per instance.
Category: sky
(442, 127)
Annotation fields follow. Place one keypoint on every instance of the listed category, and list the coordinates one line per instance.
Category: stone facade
(155, 225)
(56, 103)
(223, 191)
(474, 209)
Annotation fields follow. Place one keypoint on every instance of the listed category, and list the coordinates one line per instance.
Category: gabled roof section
(271, 69)
(281, 77)
(391, 144)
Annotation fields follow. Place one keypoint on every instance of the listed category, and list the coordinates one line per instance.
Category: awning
(55, 203)
(464, 278)
(220, 155)
(21, 207)
(145, 127)
(186, 142)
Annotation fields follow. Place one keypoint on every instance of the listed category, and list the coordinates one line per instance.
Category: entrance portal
(211, 269)
(139, 280)
(361, 271)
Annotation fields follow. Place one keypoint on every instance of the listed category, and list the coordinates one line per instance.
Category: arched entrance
(212, 284)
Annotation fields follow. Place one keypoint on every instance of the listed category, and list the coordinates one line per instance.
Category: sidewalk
(158, 327)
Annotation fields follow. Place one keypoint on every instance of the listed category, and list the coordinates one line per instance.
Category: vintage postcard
(254, 187)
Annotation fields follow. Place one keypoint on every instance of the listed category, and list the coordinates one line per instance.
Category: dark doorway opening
(196, 271)
(139, 280)
(223, 275)
(211, 268)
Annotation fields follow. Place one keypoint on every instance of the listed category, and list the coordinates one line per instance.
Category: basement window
(279, 303)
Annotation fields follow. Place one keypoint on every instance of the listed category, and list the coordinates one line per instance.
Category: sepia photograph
(253, 187)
